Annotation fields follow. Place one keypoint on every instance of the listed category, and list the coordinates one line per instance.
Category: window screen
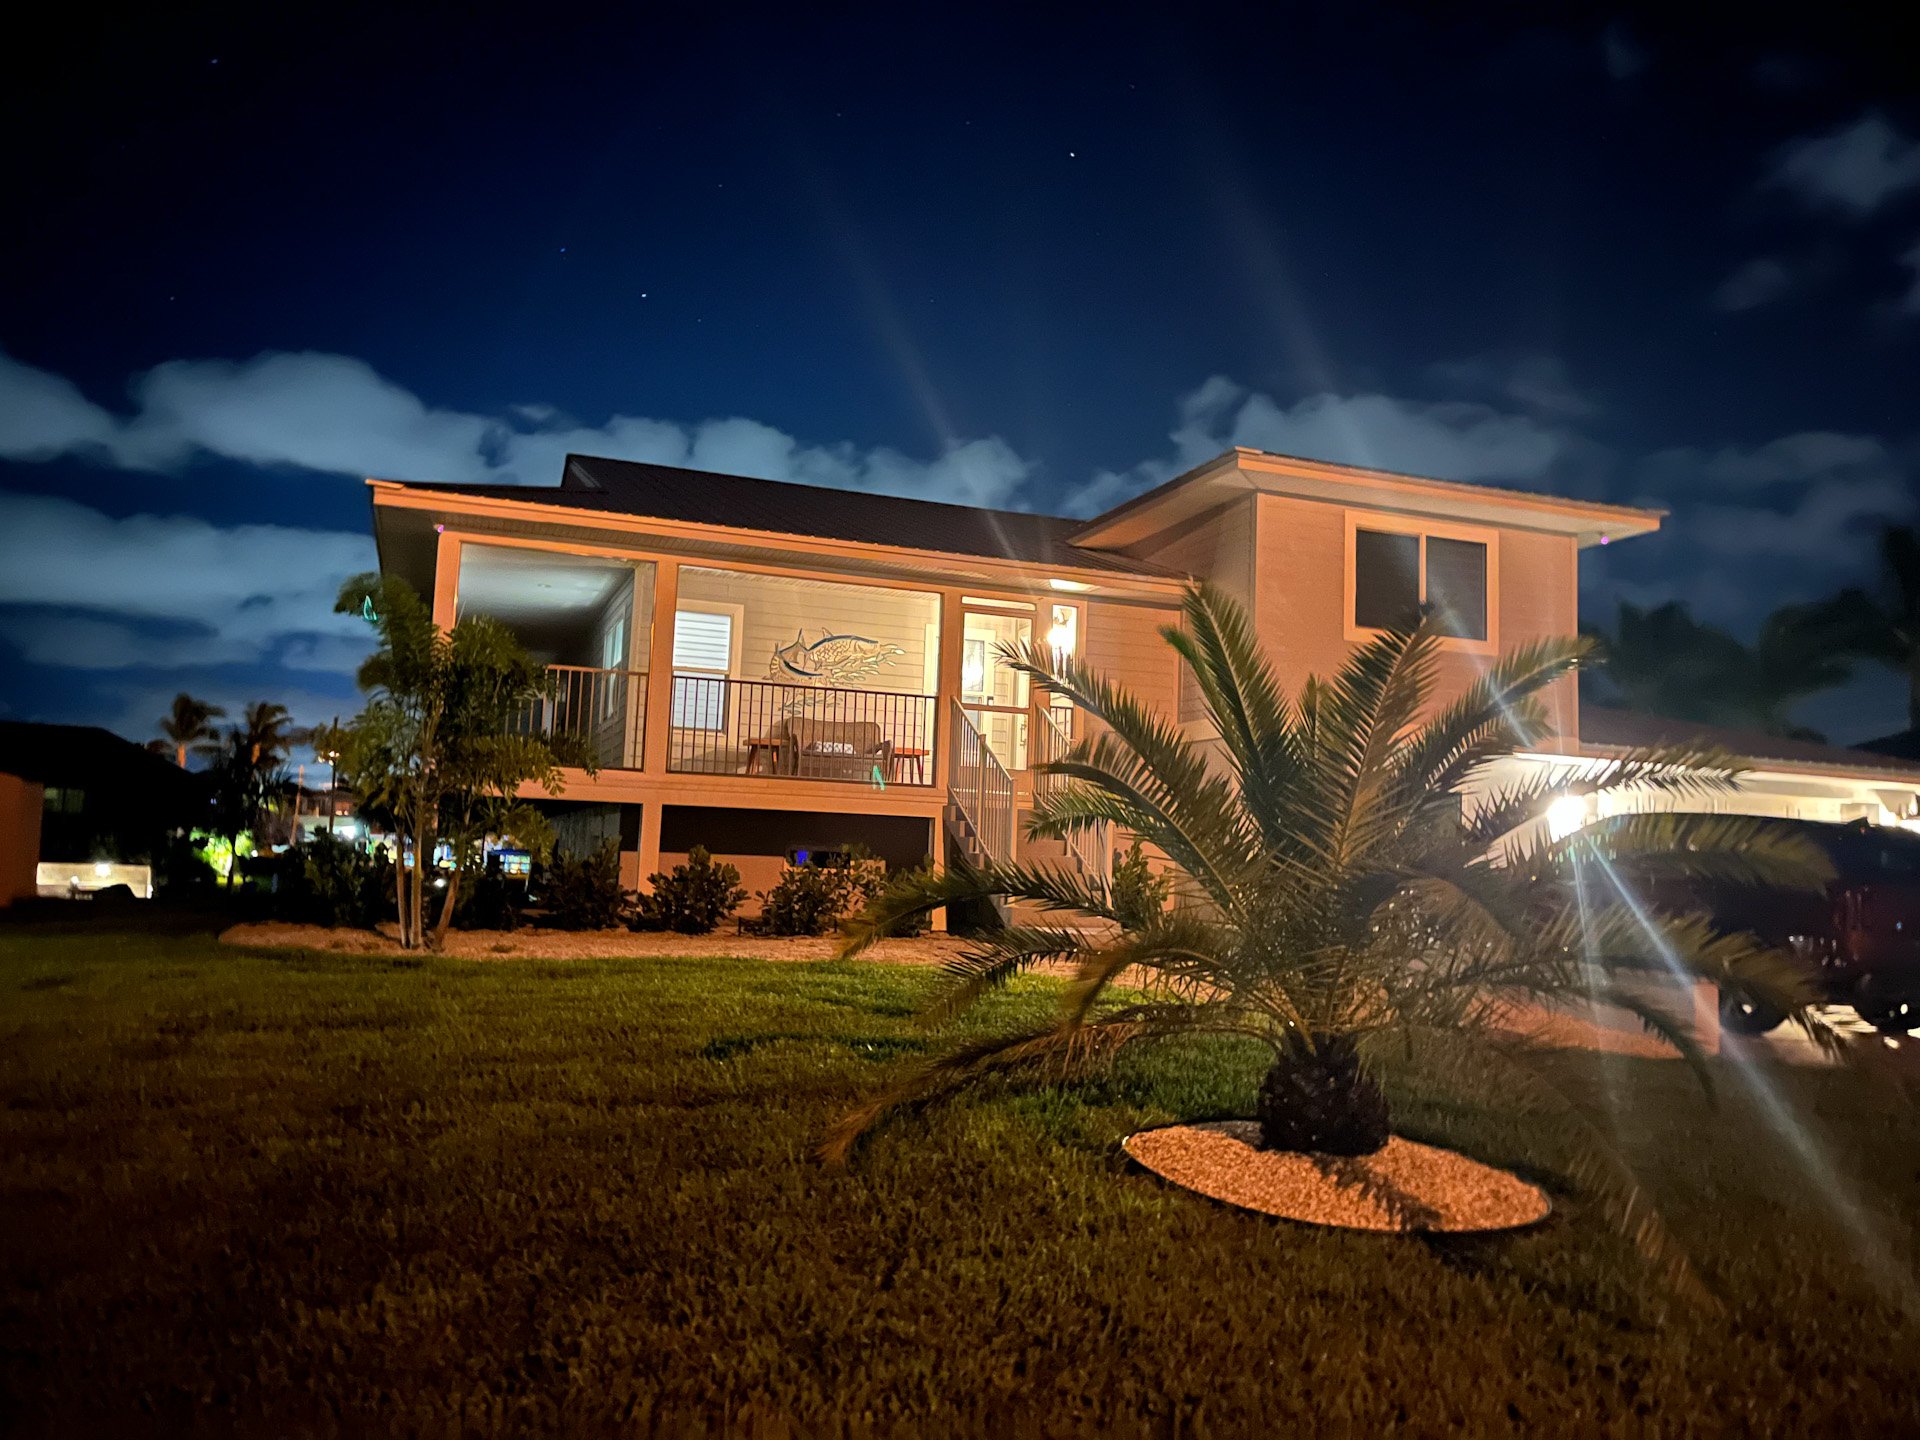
(1457, 586)
(1386, 580)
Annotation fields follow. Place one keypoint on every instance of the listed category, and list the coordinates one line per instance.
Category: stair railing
(981, 789)
(1091, 848)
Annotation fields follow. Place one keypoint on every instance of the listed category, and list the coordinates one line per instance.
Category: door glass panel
(994, 693)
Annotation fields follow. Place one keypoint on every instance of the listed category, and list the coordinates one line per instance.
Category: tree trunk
(1321, 1100)
(446, 911)
(400, 888)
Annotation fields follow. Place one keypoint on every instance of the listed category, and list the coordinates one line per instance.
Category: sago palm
(1350, 874)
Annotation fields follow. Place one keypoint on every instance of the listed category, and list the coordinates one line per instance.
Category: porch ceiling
(522, 587)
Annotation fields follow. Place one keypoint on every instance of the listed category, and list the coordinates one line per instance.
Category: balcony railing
(800, 732)
(605, 711)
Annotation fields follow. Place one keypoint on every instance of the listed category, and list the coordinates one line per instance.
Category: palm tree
(267, 732)
(189, 726)
(1346, 882)
(1885, 626)
(1665, 662)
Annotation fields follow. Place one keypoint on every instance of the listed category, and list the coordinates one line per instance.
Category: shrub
(1139, 893)
(582, 892)
(816, 897)
(692, 898)
(329, 881)
(492, 902)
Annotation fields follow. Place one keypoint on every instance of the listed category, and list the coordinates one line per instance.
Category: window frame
(1358, 520)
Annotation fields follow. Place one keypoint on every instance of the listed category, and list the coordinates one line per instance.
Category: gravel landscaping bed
(1405, 1186)
(536, 944)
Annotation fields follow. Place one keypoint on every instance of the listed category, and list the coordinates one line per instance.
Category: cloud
(1756, 283)
(1622, 57)
(1540, 384)
(1855, 169)
(1447, 440)
(337, 415)
(173, 591)
(43, 416)
(1754, 527)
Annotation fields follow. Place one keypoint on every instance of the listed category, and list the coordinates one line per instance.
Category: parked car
(1854, 937)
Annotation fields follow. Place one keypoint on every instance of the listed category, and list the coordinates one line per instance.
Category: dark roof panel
(665, 492)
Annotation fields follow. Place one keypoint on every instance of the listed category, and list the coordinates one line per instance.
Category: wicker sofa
(854, 750)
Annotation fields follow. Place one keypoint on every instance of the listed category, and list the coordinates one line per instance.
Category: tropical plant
(691, 899)
(1665, 662)
(583, 892)
(188, 726)
(1138, 892)
(335, 882)
(1348, 878)
(268, 731)
(823, 893)
(1884, 625)
(243, 786)
(440, 752)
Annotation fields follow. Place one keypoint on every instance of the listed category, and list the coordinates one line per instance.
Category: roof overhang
(407, 517)
(1241, 471)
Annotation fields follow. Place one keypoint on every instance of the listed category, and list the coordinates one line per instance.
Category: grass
(277, 1192)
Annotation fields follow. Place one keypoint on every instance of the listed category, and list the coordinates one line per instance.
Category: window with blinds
(1397, 575)
(702, 661)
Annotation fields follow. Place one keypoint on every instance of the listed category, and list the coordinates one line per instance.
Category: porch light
(1073, 587)
(1565, 815)
(102, 869)
(1063, 635)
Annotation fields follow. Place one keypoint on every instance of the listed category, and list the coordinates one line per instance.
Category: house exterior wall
(1286, 560)
(20, 803)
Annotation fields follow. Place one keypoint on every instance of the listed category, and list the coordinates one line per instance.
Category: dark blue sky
(1035, 263)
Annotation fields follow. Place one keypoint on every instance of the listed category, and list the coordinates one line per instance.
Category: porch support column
(649, 855)
(653, 751)
(953, 636)
(446, 579)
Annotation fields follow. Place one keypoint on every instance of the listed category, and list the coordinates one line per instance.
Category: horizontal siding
(777, 608)
(1123, 642)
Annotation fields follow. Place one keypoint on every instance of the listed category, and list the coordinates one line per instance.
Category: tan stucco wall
(20, 802)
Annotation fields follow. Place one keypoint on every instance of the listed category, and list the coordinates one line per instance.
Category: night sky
(1036, 264)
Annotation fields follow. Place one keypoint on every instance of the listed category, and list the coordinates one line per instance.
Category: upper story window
(1394, 573)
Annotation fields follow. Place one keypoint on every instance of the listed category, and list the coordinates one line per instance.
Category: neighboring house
(767, 668)
(104, 806)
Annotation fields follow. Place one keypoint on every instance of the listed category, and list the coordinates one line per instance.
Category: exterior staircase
(984, 823)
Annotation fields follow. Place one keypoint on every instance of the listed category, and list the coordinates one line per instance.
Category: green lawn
(293, 1191)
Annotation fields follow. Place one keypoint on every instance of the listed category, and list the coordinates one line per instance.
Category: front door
(992, 691)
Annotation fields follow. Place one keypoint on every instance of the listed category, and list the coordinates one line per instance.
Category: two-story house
(766, 668)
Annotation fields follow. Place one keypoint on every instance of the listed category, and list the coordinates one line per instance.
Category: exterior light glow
(1566, 815)
(102, 869)
(1071, 586)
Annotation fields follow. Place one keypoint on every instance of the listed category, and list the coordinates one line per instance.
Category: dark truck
(1860, 938)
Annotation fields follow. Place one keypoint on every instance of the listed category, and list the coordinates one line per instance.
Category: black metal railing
(805, 732)
(604, 711)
